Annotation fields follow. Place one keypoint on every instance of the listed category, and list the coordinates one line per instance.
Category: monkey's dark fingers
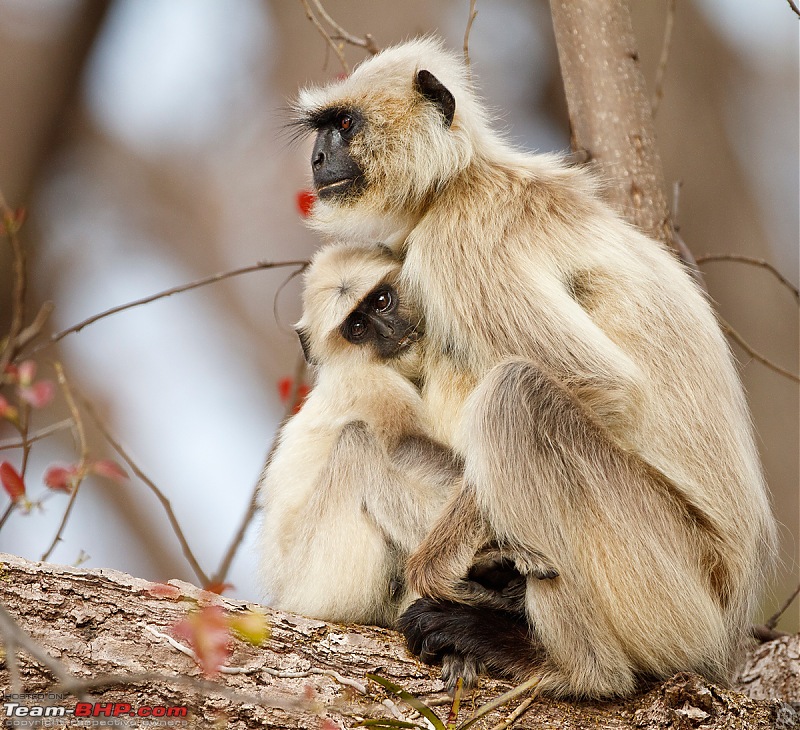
(418, 621)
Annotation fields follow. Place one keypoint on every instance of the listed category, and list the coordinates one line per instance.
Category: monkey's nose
(319, 160)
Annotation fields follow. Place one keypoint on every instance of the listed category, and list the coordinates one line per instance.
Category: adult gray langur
(580, 373)
(355, 481)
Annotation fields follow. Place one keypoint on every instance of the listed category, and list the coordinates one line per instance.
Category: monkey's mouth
(340, 188)
(409, 339)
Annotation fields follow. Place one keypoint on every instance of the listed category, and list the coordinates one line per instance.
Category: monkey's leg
(633, 586)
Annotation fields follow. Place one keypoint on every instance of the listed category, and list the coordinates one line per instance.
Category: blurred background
(147, 140)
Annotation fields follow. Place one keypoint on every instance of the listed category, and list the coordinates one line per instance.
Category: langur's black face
(336, 173)
(378, 321)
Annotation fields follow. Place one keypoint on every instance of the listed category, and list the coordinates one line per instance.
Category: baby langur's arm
(421, 477)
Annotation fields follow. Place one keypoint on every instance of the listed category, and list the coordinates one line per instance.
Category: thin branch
(259, 266)
(37, 435)
(794, 7)
(514, 716)
(84, 449)
(19, 284)
(367, 42)
(293, 402)
(683, 250)
(772, 621)
(738, 339)
(472, 15)
(658, 92)
(324, 33)
(7, 514)
(707, 258)
(32, 331)
(165, 503)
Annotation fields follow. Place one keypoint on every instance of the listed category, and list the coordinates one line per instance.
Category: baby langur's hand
(498, 576)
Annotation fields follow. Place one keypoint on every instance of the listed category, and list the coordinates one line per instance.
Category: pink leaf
(206, 630)
(37, 395)
(13, 483)
(164, 590)
(62, 478)
(109, 469)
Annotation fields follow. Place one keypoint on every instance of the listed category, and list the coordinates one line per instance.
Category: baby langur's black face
(380, 322)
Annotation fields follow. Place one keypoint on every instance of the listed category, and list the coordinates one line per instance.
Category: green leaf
(388, 722)
(416, 703)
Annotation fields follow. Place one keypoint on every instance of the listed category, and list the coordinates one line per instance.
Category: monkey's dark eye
(357, 326)
(383, 301)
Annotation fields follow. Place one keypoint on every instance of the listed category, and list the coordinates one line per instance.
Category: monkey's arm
(421, 477)
(573, 348)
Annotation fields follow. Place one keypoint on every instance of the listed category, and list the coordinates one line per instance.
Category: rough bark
(609, 108)
(94, 623)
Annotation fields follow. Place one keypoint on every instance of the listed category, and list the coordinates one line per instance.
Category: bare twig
(367, 42)
(84, 450)
(165, 503)
(19, 284)
(794, 7)
(658, 92)
(762, 633)
(259, 266)
(708, 258)
(683, 250)
(324, 33)
(739, 340)
(772, 621)
(37, 435)
(472, 15)
(294, 400)
(34, 328)
(514, 716)
(7, 514)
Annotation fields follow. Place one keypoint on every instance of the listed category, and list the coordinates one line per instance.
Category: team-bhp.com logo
(37, 710)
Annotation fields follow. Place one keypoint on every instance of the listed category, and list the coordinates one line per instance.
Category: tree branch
(160, 496)
(260, 266)
(708, 258)
(472, 15)
(310, 669)
(739, 340)
(609, 108)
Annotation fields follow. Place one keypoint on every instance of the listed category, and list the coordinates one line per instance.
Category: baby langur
(355, 480)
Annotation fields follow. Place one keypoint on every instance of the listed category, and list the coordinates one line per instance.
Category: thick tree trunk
(609, 108)
(98, 627)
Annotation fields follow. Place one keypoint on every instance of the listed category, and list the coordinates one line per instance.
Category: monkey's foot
(498, 640)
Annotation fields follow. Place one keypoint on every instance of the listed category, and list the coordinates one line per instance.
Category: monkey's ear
(434, 90)
(305, 343)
